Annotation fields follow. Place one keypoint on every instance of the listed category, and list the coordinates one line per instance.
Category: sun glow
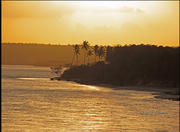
(104, 22)
(104, 4)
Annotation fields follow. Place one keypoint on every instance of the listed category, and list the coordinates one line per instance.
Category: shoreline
(169, 93)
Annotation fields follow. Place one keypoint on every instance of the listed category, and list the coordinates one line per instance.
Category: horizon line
(113, 45)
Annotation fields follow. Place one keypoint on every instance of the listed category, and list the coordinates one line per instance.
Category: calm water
(33, 103)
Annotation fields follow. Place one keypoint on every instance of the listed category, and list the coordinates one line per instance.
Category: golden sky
(116, 22)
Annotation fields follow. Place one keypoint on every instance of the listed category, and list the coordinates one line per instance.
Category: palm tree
(109, 51)
(95, 48)
(101, 52)
(77, 52)
(89, 54)
(85, 46)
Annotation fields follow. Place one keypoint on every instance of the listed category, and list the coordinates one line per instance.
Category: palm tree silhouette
(77, 52)
(101, 52)
(109, 51)
(85, 46)
(95, 48)
(89, 54)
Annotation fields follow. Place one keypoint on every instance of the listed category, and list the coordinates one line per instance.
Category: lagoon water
(31, 102)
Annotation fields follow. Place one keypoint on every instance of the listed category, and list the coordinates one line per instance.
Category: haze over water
(32, 102)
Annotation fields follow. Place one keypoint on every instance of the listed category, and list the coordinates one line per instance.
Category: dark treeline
(132, 65)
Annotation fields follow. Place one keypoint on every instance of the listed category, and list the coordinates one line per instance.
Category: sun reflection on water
(91, 87)
(39, 105)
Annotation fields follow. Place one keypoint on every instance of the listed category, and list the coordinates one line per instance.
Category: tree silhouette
(101, 52)
(109, 51)
(89, 54)
(85, 46)
(95, 48)
(132, 65)
(77, 52)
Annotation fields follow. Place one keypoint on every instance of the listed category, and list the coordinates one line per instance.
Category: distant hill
(37, 54)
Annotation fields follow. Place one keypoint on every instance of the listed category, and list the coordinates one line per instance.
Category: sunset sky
(118, 22)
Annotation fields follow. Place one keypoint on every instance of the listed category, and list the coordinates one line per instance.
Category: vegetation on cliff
(130, 65)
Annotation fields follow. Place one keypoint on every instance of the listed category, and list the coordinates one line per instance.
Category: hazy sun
(104, 4)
